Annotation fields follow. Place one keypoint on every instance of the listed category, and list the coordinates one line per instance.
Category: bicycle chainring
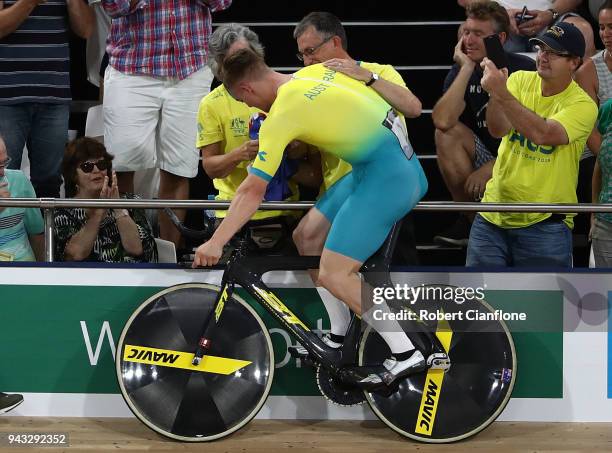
(333, 389)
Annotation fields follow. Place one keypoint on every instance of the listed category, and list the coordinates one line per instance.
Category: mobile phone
(523, 16)
(109, 173)
(495, 51)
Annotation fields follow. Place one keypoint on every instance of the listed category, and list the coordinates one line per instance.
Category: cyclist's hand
(208, 254)
(248, 150)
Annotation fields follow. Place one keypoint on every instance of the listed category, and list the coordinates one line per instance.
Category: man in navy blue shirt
(466, 151)
(35, 82)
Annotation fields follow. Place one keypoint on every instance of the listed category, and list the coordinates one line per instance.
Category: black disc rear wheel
(437, 406)
(189, 403)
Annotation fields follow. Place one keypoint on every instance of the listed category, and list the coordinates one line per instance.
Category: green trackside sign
(61, 339)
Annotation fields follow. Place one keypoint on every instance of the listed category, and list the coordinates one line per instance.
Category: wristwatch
(373, 79)
(555, 15)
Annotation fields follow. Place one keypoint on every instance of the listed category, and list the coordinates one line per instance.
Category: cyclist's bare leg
(340, 275)
(310, 235)
(309, 238)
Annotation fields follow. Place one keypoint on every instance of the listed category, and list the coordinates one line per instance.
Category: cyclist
(321, 38)
(345, 117)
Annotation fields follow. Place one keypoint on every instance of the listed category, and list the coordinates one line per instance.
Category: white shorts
(151, 121)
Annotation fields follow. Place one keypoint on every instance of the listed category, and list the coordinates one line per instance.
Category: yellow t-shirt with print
(528, 173)
(334, 168)
(224, 120)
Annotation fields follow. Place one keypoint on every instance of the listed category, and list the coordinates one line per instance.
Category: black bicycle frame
(247, 271)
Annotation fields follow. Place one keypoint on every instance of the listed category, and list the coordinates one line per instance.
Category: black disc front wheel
(194, 403)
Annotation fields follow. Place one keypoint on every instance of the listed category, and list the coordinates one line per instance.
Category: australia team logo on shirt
(239, 127)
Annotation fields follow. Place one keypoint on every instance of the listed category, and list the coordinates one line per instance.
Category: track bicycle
(195, 361)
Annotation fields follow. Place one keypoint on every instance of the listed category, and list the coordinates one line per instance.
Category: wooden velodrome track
(114, 434)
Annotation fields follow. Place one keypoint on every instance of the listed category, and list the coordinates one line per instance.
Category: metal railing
(48, 205)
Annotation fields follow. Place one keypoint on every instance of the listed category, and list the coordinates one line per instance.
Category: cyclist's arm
(244, 204)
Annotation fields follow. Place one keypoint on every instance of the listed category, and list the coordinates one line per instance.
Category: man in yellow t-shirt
(544, 119)
(223, 126)
(321, 38)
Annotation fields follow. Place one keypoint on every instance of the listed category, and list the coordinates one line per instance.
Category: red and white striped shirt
(161, 38)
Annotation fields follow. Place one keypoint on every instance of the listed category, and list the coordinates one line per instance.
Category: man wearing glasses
(321, 38)
(21, 229)
(544, 119)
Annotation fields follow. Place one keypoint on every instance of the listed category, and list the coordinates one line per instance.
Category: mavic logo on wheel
(179, 359)
(429, 403)
(433, 386)
(142, 354)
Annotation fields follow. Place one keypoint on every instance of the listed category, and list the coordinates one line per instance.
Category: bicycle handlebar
(190, 233)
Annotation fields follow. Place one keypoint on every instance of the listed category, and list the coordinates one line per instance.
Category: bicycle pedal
(438, 361)
(298, 352)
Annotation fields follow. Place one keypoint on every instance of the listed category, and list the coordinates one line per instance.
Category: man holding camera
(466, 151)
(544, 119)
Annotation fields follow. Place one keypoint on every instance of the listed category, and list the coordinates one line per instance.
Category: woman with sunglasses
(106, 235)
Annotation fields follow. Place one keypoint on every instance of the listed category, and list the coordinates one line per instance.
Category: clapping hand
(107, 191)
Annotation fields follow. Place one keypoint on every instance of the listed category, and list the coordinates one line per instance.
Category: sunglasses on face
(88, 166)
